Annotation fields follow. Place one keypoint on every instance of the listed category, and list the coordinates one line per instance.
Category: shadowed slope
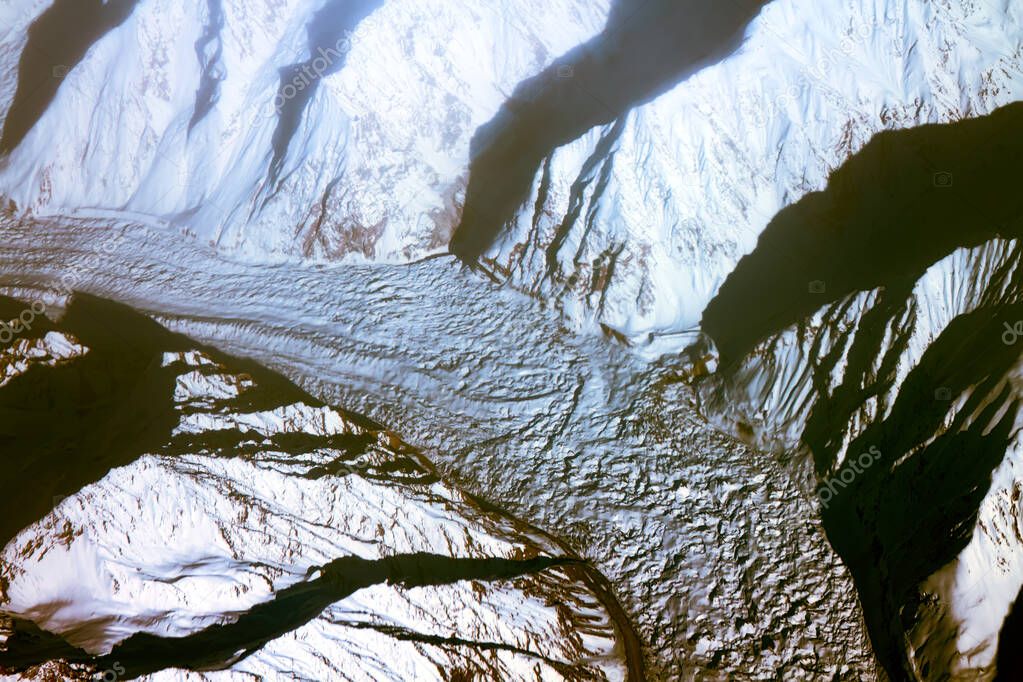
(329, 42)
(1010, 644)
(57, 41)
(647, 47)
(905, 201)
(64, 427)
(914, 510)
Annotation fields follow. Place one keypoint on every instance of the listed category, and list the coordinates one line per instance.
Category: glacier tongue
(712, 547)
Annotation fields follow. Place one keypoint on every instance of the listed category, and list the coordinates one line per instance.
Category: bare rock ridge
(177, 508)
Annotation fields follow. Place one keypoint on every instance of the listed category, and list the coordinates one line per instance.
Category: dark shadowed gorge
(906, 200)
(220, 646)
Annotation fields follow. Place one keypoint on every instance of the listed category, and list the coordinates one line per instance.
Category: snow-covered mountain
(876, 329)
(193, 111)
(352, 127)
(712, 547)
(615, 160)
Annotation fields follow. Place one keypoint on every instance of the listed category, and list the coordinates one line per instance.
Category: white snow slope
(378, 164)
(375, 175)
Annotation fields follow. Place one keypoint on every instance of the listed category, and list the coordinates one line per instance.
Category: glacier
(566, 371)
(713, 548)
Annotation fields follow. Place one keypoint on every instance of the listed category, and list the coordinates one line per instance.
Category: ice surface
(713, 547)
(391, 574)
